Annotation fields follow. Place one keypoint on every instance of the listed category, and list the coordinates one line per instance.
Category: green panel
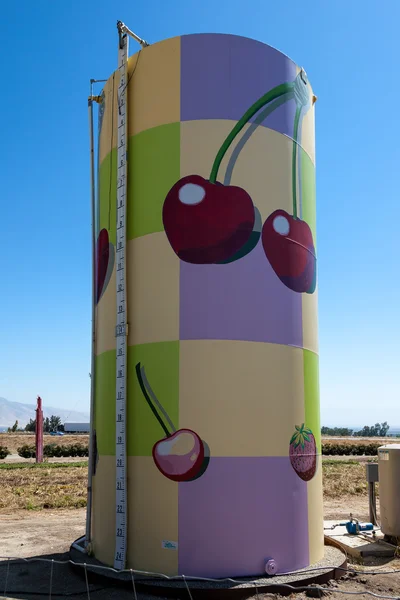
(153, 168)
(308, 193)
(105, 403)
(108, 193)
(161, 363)
(311, 394)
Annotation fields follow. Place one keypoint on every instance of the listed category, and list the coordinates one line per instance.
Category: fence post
(39, 431)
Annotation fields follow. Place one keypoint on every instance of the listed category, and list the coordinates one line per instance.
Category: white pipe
(88, 535)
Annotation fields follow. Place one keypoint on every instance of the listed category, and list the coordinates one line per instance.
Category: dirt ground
(48, 534)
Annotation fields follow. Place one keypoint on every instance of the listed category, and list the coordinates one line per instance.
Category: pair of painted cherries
(212, 223)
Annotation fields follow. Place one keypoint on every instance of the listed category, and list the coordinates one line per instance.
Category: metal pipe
(88, 535)
(372, 503)
(77, 545)
(122, 28)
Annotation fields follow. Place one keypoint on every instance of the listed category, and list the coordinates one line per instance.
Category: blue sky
(52, 49)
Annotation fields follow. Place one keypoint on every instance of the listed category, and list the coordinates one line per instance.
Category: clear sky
(50, 49)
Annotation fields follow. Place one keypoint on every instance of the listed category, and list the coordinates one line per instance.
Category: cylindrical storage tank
(223, 429)
(389, 489)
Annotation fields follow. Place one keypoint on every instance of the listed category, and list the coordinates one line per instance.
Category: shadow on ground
(40, 578)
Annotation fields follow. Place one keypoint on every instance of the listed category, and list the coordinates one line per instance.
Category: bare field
(48, 486)
(344, 478)
(358, 441)
(14, 440)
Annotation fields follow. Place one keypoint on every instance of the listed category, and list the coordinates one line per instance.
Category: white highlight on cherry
(191, 194)
(281, 225)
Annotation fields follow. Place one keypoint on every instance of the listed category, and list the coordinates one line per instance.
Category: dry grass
(344, 478)
(35, 487)
(357, 441)
(63, 485)
(14, 440)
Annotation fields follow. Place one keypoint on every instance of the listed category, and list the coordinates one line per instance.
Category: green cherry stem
(149, 402)
(294, 159)
(273, 94)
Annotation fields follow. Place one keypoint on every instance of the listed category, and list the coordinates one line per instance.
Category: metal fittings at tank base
(271, 567)
(207, 222)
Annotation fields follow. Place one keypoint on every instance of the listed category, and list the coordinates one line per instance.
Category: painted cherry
(289, 247)
(181, 455)
(104, 262)
(207, 222)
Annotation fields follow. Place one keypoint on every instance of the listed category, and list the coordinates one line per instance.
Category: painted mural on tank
(208, 222)
(223, 393)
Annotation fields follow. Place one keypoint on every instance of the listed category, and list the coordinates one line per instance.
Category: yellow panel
(242, 398)
(316, 516)
(153, 92)
(262, 166)
(153, 295)
(153, 290)
(103, 528)
(154, 89)
(307, 141)
(310, 321)
(109, 128)
(106, 317)
(152, 517)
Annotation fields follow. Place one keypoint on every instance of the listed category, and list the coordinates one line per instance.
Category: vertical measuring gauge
(121, 317)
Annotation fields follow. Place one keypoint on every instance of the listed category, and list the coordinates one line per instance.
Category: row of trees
(377, 430)
(49, 424)
(337, 431)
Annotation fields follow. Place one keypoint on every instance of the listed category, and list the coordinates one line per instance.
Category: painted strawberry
(303, 453)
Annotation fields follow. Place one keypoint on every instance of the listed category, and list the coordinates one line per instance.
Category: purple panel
(243, 300)
(240, 512)
(223, 75)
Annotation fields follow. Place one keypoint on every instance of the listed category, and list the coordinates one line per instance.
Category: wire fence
(138, 576)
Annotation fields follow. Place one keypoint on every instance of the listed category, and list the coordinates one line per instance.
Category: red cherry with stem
(287, 240)
(289, 247)
(181, 455)
(207, 222)
(104, 262)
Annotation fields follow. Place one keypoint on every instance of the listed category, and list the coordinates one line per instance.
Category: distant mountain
(13, 411)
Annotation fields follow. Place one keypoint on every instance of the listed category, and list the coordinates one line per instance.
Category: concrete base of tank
(330, 567)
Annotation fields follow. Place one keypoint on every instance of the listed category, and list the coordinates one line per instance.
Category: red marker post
(39, 431)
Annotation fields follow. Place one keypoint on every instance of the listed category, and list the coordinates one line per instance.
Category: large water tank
(223, 429)
(389, 489)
